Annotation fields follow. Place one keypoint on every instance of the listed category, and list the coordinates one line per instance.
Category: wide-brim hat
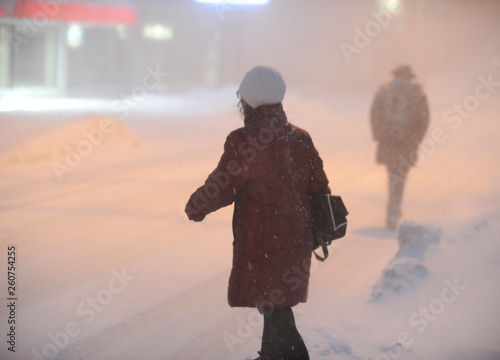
(403, 71)
(262, 86)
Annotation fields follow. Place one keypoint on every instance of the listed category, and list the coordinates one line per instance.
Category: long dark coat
(399, 119)
(268, 168)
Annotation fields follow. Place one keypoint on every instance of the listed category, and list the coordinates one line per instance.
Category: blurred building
(96, 48)
(107, 47)
(54, 47)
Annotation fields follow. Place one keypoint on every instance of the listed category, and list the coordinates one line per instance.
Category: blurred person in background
(399, 120)
(268, 168)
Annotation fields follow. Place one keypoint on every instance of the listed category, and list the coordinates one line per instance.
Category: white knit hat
(262, 86)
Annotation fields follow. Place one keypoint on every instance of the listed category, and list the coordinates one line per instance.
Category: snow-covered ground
(108, 267)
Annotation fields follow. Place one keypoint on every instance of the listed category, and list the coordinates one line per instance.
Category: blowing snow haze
(324, 45)
(112, 112)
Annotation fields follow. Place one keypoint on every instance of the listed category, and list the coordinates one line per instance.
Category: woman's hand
(198, 218)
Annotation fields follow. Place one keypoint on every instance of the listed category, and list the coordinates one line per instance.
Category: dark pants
(281, 339)
(397, 180)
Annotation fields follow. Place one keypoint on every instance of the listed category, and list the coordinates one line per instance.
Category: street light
(74, 36)
(392, 5)
(234, 2)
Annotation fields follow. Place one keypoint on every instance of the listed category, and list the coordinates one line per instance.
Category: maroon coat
(268, 169)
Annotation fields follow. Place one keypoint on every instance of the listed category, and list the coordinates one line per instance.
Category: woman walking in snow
(268, 168)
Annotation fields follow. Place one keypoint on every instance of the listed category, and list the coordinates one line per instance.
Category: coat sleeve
(378, 115)
(422, 118)
(319, 180)
(223, 184)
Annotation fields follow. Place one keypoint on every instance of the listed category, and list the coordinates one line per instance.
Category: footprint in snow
(327, 345)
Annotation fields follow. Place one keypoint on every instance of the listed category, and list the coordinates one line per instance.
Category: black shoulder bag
(329, 217)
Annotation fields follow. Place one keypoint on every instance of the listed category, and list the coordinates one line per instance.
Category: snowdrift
(408, 265)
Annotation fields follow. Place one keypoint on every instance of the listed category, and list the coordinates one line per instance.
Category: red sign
(76, 12)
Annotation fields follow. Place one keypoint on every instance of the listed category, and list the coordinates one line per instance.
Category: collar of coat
(265, 114)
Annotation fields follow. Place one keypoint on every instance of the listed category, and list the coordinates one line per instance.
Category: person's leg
(397, 180)
(281, 339)
(296, 348)
(270, 348)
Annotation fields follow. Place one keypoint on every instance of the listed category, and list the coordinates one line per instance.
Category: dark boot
(261, 357)
(281, 339)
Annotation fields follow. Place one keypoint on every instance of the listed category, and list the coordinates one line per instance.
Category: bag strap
(335, 226)
(325, 250)
(328, 197)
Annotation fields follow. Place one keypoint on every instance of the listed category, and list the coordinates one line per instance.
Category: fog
(352, 45)
(111, 118)
(323, 45)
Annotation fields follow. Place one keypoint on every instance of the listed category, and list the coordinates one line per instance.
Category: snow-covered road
(108, 267)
